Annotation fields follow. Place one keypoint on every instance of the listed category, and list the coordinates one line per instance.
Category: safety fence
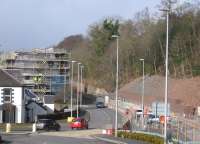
(179, 129)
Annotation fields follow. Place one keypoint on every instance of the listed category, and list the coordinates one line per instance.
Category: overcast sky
(26, 24)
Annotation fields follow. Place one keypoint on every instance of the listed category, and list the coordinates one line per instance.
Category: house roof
(36, 103)
(7, 80)
(16, 73)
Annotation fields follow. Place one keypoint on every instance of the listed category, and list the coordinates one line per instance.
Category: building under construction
(44, 72)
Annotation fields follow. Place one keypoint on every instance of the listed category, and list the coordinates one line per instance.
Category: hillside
(144, 36)
(183, 94)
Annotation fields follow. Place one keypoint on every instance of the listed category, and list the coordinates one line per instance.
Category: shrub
(142, 137)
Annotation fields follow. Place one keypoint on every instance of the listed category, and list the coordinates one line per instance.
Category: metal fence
(181, 130)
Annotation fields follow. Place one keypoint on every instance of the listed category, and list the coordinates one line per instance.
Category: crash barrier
(126, 109)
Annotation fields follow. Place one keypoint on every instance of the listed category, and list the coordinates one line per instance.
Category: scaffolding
(44, 71)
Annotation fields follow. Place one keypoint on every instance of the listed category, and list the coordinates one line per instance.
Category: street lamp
(142, 60)
(77, 94)
(72, 71)
(64, 85)
(81, 94)
(166, 74)
(116, 96)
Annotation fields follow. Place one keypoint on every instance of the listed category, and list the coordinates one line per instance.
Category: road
(103, 118)
(99, 119)
(42, 139)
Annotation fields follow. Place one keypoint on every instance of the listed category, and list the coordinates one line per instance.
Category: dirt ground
(183, 94)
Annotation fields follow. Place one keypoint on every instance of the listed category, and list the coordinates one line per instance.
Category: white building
(12, 101)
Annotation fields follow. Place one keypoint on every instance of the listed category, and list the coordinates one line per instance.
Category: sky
(27, 24)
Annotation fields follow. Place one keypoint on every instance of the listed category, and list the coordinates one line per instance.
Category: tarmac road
(45, 139)
(103, 118)
(99, 119)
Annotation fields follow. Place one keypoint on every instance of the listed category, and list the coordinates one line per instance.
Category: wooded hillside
(143, 36)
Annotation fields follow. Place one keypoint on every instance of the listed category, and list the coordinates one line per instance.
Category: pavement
(73, 133)
(44, 139)
(16, 133)
(92, 133)
(82, 134)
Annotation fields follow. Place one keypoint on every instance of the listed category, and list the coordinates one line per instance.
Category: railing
(179, 129)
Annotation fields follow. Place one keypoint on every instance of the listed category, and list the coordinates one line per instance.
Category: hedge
(141, 137)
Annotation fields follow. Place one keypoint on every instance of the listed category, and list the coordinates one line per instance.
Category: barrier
(69, 119)
(107, 131)
(34, 127)
(8, 128)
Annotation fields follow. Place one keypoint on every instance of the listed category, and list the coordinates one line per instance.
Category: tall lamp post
(77, 94)
(116, 93)
(64, 85)
(142, 60)
(72, 77)
(81, 94)
(166, 73)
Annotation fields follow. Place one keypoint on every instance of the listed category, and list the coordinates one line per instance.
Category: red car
(79, 123)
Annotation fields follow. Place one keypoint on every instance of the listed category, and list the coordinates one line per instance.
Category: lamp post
(116, 96)
(81, 94)
(77, 94)
(166, 73)
(72, 77)
(142, 60)
(64, 85)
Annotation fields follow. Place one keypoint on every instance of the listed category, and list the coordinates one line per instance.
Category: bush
(142, 137)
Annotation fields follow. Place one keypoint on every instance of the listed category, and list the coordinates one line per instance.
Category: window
(27, 77)
(7, 95)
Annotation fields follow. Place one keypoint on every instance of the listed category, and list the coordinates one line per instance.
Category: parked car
(100, 105)
(138, 112)
(47, 124)
(79, 123)
(152, 119)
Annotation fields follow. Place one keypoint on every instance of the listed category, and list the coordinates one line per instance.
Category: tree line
(144, 36)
